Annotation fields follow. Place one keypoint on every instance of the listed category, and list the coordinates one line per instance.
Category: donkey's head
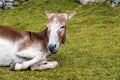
(57, 29)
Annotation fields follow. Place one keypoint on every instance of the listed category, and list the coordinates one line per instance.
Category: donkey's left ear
(48, 13)
(69, 15)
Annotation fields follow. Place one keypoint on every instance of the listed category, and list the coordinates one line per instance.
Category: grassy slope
(92, 50)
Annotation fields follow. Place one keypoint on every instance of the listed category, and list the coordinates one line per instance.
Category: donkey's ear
(69, 15)
(48, 13)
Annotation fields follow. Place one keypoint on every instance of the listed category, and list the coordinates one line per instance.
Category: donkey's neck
(43, 36)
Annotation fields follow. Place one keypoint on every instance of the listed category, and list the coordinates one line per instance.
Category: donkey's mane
(15, 34)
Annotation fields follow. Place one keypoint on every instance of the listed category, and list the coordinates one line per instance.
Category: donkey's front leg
(25, 65)
(26, 54)
(44, 65)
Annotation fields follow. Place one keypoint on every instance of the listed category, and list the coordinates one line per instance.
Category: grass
(92, 49)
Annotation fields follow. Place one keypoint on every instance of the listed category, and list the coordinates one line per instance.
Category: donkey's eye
(62, 27)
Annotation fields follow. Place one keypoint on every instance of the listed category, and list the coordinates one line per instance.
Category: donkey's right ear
(68, 15)
(48, 13)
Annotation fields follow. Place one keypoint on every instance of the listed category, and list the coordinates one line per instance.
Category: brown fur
(62, 39)
(11, 33)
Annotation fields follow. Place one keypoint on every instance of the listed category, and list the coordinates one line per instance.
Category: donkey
(22, 49)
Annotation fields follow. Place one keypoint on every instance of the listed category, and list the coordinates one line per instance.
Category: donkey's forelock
(58, 18)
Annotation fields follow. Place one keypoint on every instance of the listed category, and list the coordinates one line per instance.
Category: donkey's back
(11, 34)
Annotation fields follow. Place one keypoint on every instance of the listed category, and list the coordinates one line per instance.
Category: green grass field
(92, 49)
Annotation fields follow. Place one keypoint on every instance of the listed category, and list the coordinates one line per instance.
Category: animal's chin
(54, 51)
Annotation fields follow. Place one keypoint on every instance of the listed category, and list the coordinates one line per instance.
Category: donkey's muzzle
(52, 48)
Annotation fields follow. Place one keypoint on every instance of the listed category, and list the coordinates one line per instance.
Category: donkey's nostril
(55, 45)
(52, 47)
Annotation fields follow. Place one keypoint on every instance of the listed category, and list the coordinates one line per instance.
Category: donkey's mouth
(53, 50)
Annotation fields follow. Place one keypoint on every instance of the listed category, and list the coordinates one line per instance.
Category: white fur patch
(7, 52)
(53, 38)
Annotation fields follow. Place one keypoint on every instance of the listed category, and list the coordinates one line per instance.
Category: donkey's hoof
(12, 66)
